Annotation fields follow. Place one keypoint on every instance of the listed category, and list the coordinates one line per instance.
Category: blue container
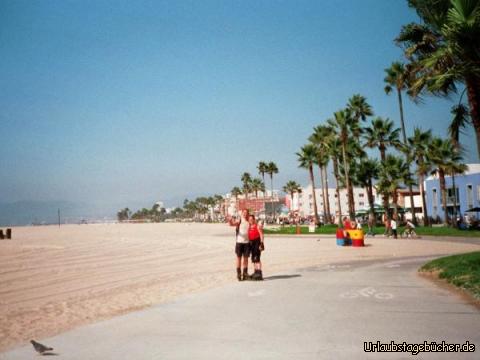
(341, 242)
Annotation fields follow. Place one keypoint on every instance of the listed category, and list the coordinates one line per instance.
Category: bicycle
(409, 233)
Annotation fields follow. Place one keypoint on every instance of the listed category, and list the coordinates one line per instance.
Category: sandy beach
(53, 279)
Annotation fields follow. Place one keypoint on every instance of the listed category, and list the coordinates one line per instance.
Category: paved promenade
(324, 312)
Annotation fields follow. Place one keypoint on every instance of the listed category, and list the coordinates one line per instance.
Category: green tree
(419, 143)
(443, 51)
(272, 169)
(306, 158)
(236, 192)
(292, 187)
(257, 185)
(394, 172)
(443, 154)
(124, 214)
(342, 123)
(368, 171)
(246, 181)
(320, 138)
(397, 78)
(335, 149)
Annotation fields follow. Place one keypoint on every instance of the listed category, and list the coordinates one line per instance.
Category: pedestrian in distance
(393, 226)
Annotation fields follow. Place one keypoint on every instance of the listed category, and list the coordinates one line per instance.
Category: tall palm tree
(443, 50)
(246, 181)
(368, 171)
(341, 123)
(419, 143)
(397, 78)
(262, 170)
(236, 192)
(257, 185)
(393, 173)
(306, 159)
(319, 138)
(292, 187)
(272, 169)
(459, 121)
(382, 134)
(334, 149)
(359, 107)
(442, 154)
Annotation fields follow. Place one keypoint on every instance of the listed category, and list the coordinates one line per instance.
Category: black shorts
(255, 247)
(242, 249)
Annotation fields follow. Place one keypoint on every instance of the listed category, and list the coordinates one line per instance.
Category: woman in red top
(255, 235)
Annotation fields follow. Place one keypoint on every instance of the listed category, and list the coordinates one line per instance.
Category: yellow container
(357, 237)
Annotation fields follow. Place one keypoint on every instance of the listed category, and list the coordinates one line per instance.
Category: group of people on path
(249, 242)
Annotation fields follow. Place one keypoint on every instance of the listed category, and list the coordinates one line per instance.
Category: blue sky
(120, 101)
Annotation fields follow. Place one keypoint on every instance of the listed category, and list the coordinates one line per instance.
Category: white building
(303, 202)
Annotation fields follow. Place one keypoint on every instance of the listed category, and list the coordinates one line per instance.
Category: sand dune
(53, 279)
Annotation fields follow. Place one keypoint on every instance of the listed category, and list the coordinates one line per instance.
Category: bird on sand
(40, 348)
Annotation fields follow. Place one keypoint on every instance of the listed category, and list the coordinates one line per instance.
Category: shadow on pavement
(281, 277)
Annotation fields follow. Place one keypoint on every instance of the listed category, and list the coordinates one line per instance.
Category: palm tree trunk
(322, 181)
(312, 181)
(454, 201)
(291, 197)
(404, 133)
(443, 190)
(347, 180)
(371, 202)
(337, 189)
(263, 192)
(271, 197)
(395, 204)
(473, 92)
(426, 220)
(327, 196)
(400, 105)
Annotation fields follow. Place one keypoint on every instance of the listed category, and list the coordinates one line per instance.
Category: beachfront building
(260, 204)
(466, 193)
(404, 202)
(303, 202)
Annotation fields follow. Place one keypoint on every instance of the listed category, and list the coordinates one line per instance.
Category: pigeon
(40, 348)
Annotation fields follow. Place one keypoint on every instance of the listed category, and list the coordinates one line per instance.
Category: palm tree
(381, 134)
(306, 159)
(459, 121)
(442, 154)
(334, 149)
(443, 51)
(341, 123)
(359, 107)
(397, 77)
(320, 138)
(246, 181)
(419, 143)
(236, 192)
(393, 173)
(272, 169)
(368, 171)
(257, 185)
(262, 170)
(292, 187)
